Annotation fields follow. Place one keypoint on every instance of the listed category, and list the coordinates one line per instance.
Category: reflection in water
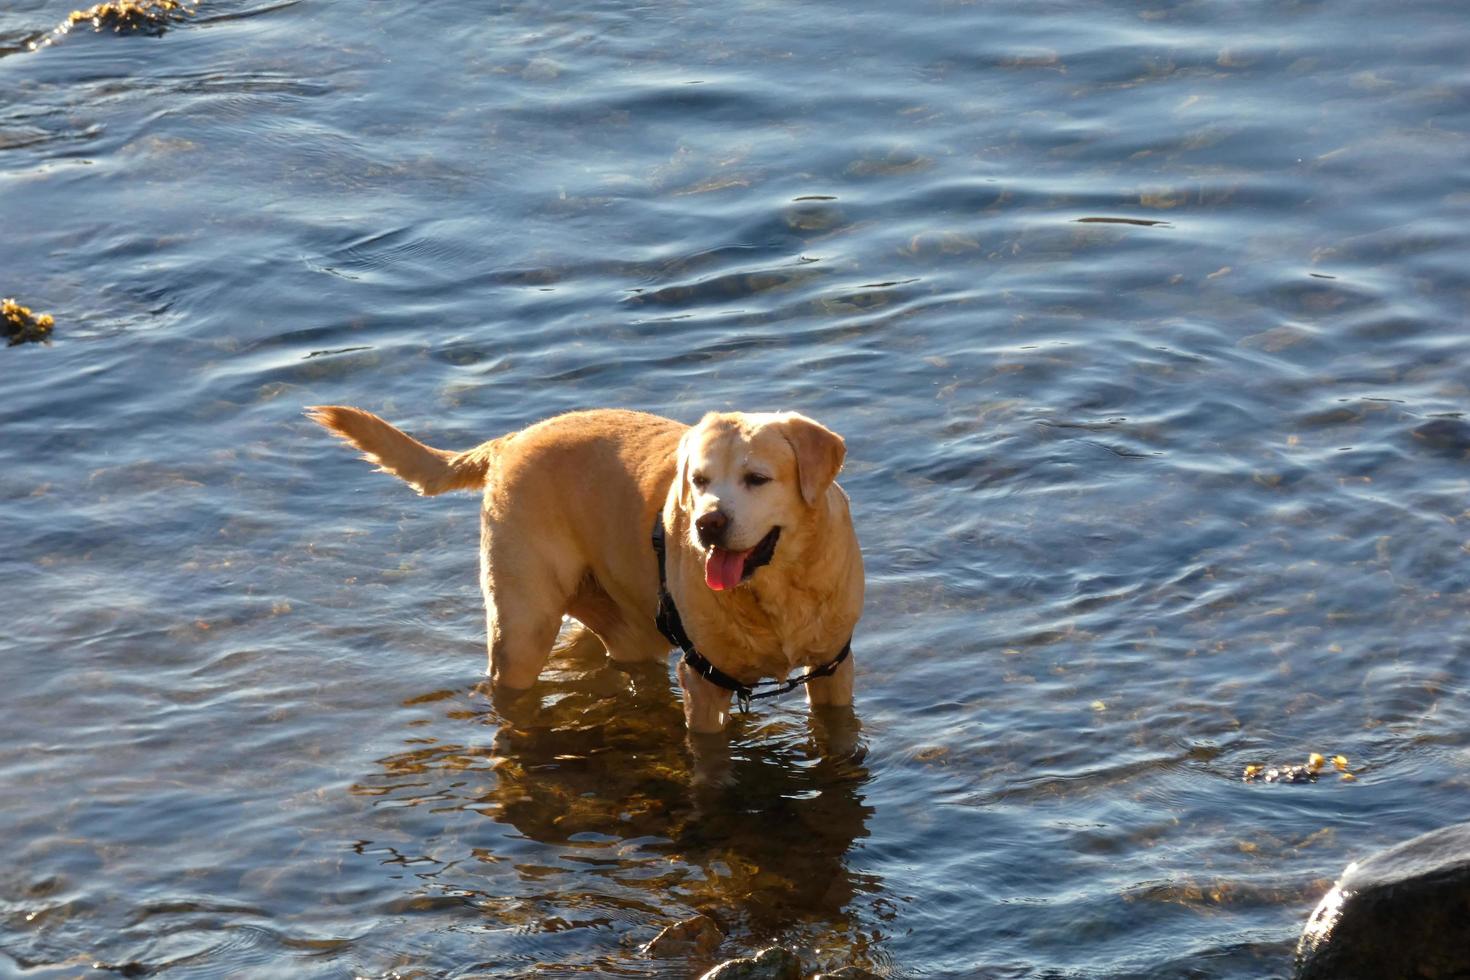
(593, 766)
(1145, 327)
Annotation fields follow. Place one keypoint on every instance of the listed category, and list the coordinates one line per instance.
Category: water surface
(1144, 323)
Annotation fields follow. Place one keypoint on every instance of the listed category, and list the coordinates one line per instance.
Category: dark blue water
(1146, 327)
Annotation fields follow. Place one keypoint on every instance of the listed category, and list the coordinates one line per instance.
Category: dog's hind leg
(637, 643)
(519, 641)
(629, 639)
(524, 602)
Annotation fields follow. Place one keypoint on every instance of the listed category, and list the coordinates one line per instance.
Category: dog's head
(742, 479)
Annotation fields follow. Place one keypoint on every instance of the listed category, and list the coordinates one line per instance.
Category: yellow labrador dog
(759, 556)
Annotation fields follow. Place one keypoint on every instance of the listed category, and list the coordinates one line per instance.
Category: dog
(760, 559)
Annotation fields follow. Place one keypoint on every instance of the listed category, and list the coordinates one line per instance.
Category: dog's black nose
(711, 527)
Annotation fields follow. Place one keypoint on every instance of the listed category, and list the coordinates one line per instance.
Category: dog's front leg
(835, 690)
(706, 705)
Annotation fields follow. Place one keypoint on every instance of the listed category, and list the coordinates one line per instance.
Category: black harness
(672, 627)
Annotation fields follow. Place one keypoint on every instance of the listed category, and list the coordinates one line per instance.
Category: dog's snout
(711, 527)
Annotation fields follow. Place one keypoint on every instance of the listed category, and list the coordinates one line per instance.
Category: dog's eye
(699, 480)
(756, 479)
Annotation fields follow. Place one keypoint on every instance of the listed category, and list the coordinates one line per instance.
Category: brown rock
(774, 963)
(699, 935)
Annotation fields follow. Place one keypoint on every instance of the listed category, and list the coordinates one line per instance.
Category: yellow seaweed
(130, 15)
(21, 325)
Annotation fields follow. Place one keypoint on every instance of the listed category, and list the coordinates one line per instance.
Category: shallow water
(1144, 323)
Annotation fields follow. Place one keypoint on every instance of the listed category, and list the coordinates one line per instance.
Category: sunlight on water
(1143, 324)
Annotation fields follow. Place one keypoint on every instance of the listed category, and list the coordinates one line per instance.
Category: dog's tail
(426, 469)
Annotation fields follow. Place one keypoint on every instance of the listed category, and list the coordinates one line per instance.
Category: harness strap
(672, 627)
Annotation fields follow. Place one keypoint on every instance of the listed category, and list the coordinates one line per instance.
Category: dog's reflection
(756, 827)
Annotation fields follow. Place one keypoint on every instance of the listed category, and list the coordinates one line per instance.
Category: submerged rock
(1402, 914)
(21, 325)
(1445, 435)
(699, 935)
(774, 963)
(847, 973)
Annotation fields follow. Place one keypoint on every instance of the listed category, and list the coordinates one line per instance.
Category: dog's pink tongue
(723, 569)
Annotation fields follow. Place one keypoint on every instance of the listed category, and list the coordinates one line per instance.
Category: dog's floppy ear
(819, 454)
(681, 470)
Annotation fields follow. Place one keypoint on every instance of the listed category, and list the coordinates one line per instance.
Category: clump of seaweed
(148, 16)
(1297, 774)
(127, 16)
(21, 325)
(151, 17)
